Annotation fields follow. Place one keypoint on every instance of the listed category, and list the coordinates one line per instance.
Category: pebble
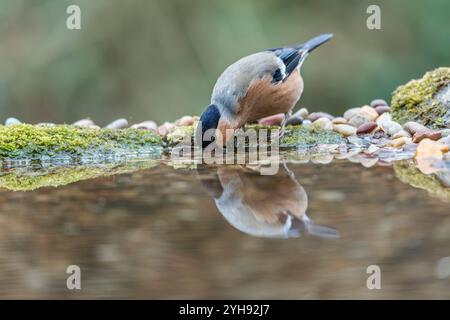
(323, 123)
(413, 127)
(350, 113)
(146, 125)
(445, 132)
(369, 112)
(344, 129)
(12, 121)
(307, 122)
(165, 129)
(427, 134)
(322, 159)
(358, 120)
(387, 125)
(294, 121)
(368, 162)
(382, 109)
(118, 124)
(185, 121)
(428, 151)
(384, 118)
(316, 115)
(303, 113)
(392, 128)
(445, 141)
(396, 143)
(46, 124)
(84, 123)
(378, 102)
(400, 134)
(93, 127)
(274, 120)
(339, 120)
(366, 127)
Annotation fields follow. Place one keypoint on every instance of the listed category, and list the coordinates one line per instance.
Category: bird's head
(212, 128)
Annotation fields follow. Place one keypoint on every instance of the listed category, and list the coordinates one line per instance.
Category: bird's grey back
(233, 83)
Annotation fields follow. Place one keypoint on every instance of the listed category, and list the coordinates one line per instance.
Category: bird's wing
(234, 82)
(291, 58)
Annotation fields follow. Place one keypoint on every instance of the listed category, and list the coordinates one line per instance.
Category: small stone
(303, 113)
(368, 162)
(427, 152)
(323, 123)
(413, 127)
(393, 128)
(445, 132)
(185, 121)
(274, 120)
(344, 129)
(145, 125)
(166, 128)
(387, 125)
(46, 124)
(396, 143)
(358, 120)
(446, 141)
(427, 134)
(350, 113)
(307, 123)
(382, 109)
(93, 127)
(294, 121)
(384, 118)
(316, 115)
(339, 120)
(366, 127)
(118, 124)
(400, 134)
(84, 123)
(369, 113)
(322, 159)
(12, 121)
(372, 149)
(378, 102)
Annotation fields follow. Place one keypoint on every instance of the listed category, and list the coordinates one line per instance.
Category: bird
(256, 86)
(259, 205)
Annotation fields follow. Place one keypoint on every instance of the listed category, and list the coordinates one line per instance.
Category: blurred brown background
(159, 60)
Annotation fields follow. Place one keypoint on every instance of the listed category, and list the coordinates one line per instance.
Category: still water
(311, 231)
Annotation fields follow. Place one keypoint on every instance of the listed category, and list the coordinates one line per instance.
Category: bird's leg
(283, 124)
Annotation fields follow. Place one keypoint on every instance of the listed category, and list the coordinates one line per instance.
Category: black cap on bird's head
(208, 121)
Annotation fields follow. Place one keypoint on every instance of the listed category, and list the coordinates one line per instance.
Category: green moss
(179, 134)
(409, 174)
(294, 135)
(308, 136)
(19, 180)
(414, 100)
(26, 141)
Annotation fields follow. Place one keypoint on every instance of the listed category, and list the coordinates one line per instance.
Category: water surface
(227, 233)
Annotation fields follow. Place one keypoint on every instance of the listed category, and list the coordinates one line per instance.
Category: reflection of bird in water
(263, 206)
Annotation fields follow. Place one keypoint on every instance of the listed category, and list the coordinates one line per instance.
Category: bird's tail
(315, 42)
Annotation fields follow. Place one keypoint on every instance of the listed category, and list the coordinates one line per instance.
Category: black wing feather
(290, 57)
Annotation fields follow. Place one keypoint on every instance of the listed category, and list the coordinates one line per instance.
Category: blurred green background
(159, 60)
